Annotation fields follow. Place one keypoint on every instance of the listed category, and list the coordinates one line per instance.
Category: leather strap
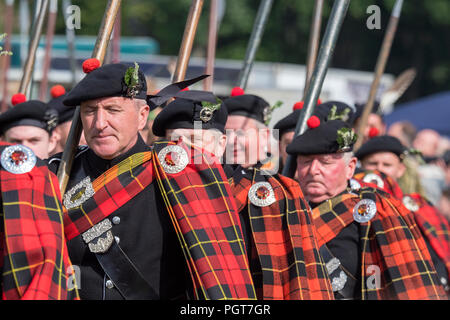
(347, 292)
(124, 274)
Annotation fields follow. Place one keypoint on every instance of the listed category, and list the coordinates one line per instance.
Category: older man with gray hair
(368, 240)
(121, 220)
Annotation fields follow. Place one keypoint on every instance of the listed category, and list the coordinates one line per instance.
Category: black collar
(97, 165)
(313, 204)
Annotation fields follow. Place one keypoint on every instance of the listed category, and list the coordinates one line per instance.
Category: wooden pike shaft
(99, 52)
(29, 63)
(379, 69)
(188, 40)
(9, 15)
(211, 50)
(116, 39)
(48, 48)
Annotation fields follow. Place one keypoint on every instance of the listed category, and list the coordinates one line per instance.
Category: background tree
(422, 40)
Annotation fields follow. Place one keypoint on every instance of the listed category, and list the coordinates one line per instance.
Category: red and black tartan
(390, 185)
(203, 215)
(434, 227)
(35, 263)
(113, 189)
(391, 241)
(285, 257)
(200, 203)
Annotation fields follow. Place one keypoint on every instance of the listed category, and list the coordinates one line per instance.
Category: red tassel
(18, 98)
(298, 105)
(313, 122)
(57, 91)
(237, 91)
(373, 132)
(90, 65)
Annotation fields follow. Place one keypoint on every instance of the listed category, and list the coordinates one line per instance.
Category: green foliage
(4, 52)
(132, 76)
(421, 40)
(277, 105)
(343, 116)
(345, 138)
(212, 106)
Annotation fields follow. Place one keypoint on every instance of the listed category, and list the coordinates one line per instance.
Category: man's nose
(101, 119)
(315, 167)
(27, 143)
(380, 167)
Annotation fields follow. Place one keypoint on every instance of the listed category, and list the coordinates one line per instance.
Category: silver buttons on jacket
(116, 220)
(109, 284)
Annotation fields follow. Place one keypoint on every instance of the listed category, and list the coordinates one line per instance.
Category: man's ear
(143, 116)
(54, 138)
(351, 167)
(264, 136)
(221, 145)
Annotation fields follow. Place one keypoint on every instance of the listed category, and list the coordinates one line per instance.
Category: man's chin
(104, 153)
(316, 196)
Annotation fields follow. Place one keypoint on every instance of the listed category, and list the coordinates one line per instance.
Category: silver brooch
(173, 159)
(364, 210)
(338, 283)
(206, 115)
(77, 195)
(261, 194)
(102, 232)
(332, 265)
(51, 118)
(410, 203)
(354, 185)
(208, 109)
(374, 178)
(18, 159)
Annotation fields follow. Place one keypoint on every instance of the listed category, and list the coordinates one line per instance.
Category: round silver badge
(410, 203)
(374, 178)
(173, 159)
(79, 194)
(206, 114)
(354, 185)
(18, 159)
(364, 210)
(261, 194)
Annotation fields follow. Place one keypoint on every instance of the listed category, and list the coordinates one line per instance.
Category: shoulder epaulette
(58, 156)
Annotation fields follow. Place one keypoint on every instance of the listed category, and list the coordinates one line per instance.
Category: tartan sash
(35, 263)
(389, 184)
(394, 253)
(204, 214)
(284, 244)
(114, 188)
(434, 226)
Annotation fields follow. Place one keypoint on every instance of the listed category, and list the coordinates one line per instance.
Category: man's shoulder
(54, 161)
(21, 161)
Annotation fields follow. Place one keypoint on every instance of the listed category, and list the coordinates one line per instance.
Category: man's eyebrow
(91, 106)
